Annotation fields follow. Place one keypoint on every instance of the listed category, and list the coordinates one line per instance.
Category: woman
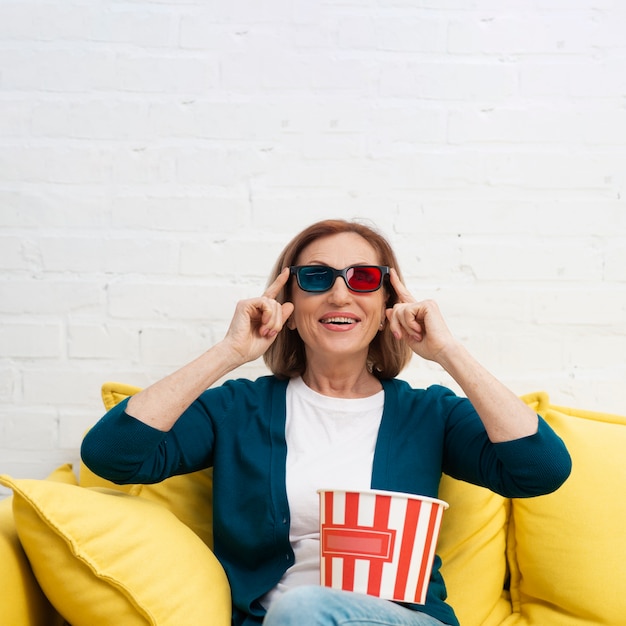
(335, 326)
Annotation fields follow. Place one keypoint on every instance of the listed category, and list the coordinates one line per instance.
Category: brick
(214, 120)
(569, 5)
(54, 296)
(261, 71)
(523, 125)
(202, 32)
(92, 119)
(526, 125)
(12, 251)
(508, 34)
(66, 384)
(520, 260)
(87, 70)
(235, 260)
(400, 33)
(477, 305)
(176, 301)
(216, 214)
(9, 382)
(123, 255)
(533, 170)
(43, 21)
(516, 217)
(602, 351)
(397, 129)
(40, 208)
(38, 340)
(57, 70)
(215, 166)
(615, 267)
(579, 79)
(449, 81)
(595, 307)
(151, 73)
(73, 424)
(143, 164)
(31, 429)
(102, 341)
(175, 346)
(251, 11)
(44, 164)
(15, 117)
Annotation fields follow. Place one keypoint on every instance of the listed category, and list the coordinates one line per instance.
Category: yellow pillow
(566, 550)
(21, 598)
(189, 497)
(113, 393)
(102, 555)
(472, 546)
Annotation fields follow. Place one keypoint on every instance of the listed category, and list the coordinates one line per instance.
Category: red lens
(364, 278)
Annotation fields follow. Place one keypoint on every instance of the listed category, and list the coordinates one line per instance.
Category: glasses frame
(384, 271)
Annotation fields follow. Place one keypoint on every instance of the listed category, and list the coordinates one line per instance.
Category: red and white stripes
(379, 543)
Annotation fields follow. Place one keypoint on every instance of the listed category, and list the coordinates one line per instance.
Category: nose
(339, 292)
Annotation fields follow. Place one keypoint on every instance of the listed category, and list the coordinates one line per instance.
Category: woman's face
(338, 322)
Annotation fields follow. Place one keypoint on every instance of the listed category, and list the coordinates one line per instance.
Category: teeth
(338, 320)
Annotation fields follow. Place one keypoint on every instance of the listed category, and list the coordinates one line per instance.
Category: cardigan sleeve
(125, 450)
(529, 466)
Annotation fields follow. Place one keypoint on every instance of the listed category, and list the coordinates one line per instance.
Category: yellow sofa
(91, 553)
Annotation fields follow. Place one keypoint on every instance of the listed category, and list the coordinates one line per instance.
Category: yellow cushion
(189, 496)
(567, 551)
(21, 598)
(472, 546)
(99, 553)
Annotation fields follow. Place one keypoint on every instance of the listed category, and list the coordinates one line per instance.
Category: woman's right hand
(252, 330)
(257, 321)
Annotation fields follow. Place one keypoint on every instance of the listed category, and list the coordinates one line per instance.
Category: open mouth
(339, 321)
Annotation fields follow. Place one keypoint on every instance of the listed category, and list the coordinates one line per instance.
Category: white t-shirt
(330, 444)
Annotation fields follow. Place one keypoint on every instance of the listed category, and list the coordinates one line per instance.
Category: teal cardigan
(238, 428)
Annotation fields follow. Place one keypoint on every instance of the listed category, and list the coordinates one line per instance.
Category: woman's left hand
(420, 324)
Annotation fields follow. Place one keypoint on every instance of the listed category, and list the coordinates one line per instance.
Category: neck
(340, 382)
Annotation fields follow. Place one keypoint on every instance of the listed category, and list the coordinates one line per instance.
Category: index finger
(281, 280)
(403, 293)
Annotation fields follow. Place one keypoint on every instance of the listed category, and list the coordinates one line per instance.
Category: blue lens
(315, 278)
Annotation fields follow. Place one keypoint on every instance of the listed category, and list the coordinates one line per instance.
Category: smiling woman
(335, 326)
(386, 356)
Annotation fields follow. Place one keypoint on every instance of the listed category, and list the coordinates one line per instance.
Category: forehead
(339, 251)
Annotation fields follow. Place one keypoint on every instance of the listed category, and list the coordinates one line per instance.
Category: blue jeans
(322, 606)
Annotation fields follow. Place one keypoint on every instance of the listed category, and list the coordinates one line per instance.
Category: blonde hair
(286, 357)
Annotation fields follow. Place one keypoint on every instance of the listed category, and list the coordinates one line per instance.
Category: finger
(287, 309)
(412, 322)
(404, 295)
(271, 316)
(404, 322)
(395, 325)
(274, 316)
(281, 280)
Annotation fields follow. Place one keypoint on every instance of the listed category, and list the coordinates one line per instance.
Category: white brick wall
(155, 156)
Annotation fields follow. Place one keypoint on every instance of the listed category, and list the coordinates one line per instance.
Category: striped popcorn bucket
(381, 543)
